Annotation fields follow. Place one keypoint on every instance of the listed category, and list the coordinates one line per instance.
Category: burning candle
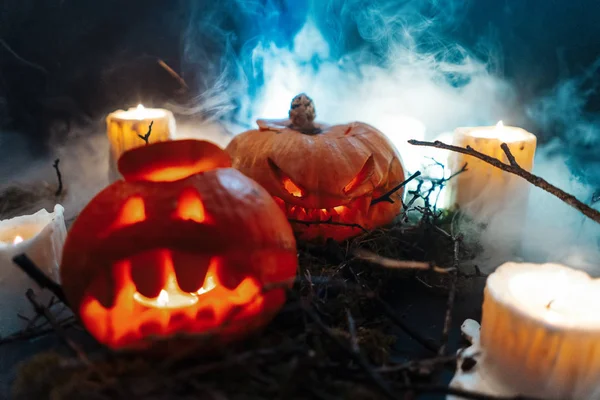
(41, 237)
(484, 190)
(125, 130)
(540, 332)
(172, 296)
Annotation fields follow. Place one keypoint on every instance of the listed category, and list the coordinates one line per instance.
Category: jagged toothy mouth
(338, 214)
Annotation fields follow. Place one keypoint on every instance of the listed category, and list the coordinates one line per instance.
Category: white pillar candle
(41, 237)
(540, 331)
(123, 128)
(484, 190)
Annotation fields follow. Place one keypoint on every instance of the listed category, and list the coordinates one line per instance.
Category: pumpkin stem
(302, 115)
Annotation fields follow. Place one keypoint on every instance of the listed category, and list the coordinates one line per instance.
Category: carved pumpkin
(325, 178)
(183, 246)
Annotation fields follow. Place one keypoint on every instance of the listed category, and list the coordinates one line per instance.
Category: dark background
(65, 61)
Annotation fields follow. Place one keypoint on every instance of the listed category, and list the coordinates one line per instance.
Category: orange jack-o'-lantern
(325, 178)
(185, 245)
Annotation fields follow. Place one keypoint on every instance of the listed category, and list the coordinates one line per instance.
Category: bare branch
(509, 155)
(146, 137)
(328, 222)
(387, 196)
(529, 177)
(59, 176)
(398, 264)
(451, 296)
(39, 277)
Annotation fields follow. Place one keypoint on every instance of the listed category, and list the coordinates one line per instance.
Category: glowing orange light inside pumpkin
(175, 173)
(18, 239)
(190, 207)
(133, 211)
(171, 311)
(291, 187)
(169, 297)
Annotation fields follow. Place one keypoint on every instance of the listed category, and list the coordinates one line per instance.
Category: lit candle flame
(163, 298)
(172, 296)
(500, 125)
(140, 108)
(18, 239)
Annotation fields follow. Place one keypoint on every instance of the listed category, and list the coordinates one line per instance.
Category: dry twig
(387, 196)
(451, 296)
(328, 222)
(32, 270)
(513, 168)
(146, 137)
(58, 176)
(399, 264)
(58, 328)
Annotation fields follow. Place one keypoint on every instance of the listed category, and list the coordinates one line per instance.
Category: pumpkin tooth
(149, 271)
(190, 270)
(294, 212)
(335, 217)
(103, 288)
(323, 215)
(302, 216)
(229, 272)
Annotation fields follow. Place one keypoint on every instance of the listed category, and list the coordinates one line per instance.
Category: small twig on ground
(39, 277)
(146, 137)
(398, 264)
(451, 296)
(427, 343)
(328, 222)
(352, 331)
(32, 333)
(396, 319)
(387, 196)
(358, 357)
(59, 176)
(41, 309)
(425, 363)
(516, 170)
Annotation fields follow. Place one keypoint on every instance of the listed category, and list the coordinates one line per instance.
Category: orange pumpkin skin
(211, 238)
(330, 174)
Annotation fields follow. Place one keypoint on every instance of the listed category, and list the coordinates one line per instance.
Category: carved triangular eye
(363, 175)
(132, 212)
(190, 206)
(287, 182)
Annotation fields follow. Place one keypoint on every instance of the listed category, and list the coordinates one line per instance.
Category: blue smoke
(415, 69)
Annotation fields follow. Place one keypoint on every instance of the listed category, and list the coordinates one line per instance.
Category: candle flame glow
(18, 239)
(141, 108)
(500, 125)
(163, 298)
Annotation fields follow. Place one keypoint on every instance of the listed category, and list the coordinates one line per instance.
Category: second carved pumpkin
(327, 179)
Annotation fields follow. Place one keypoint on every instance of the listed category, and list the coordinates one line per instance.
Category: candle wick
(549, 304)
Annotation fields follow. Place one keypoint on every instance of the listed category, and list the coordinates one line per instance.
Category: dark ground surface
(420, 307)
